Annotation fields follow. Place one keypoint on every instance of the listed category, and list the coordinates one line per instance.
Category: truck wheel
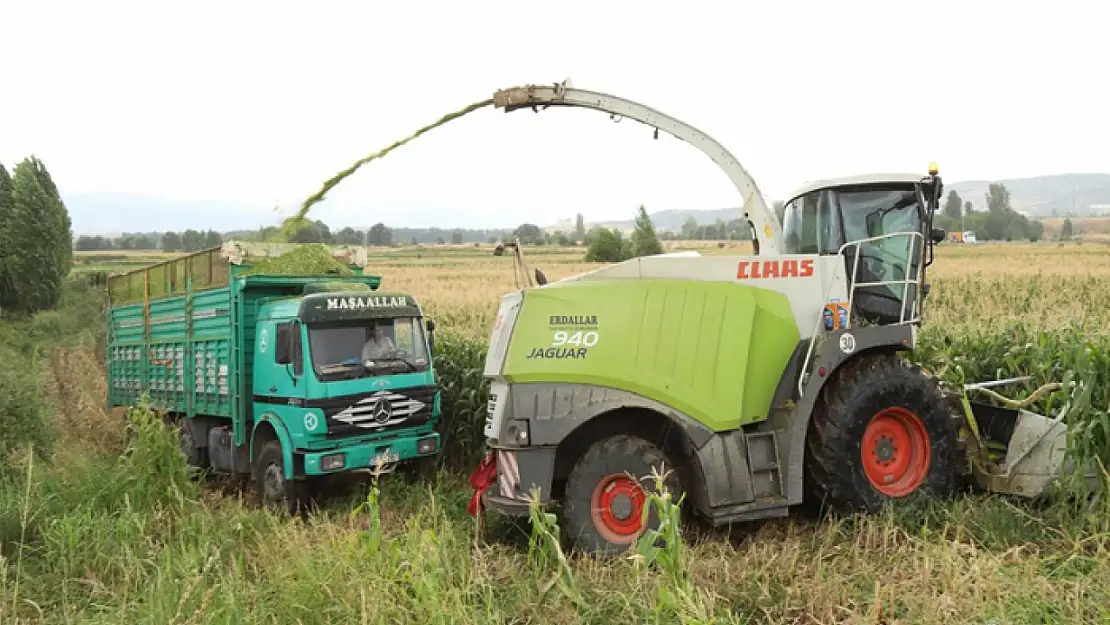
(194, 456)
(880, 432)
(605, 494)
(271, 486)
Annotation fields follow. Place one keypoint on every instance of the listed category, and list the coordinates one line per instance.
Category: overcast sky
(259, 102)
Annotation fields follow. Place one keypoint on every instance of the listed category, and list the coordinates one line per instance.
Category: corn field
(102, 525)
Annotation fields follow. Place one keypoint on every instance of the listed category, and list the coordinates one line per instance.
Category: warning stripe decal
(508, 473)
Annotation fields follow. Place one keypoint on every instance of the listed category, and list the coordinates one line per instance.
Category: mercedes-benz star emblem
(381, 410)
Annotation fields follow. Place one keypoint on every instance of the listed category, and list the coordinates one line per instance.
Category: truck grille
(379, 411)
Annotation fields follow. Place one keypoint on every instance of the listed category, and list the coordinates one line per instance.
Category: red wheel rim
(617, 508)
(895, 451)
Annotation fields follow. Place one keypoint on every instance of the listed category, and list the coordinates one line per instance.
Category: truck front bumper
(506, 477)
(368, 455)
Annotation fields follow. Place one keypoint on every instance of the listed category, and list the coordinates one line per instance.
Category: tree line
(187, 241)
(1000, 222)
(316, 231)
(36, 238)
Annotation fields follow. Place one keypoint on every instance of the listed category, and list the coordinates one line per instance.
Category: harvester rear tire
(851, 468)
(602, 475)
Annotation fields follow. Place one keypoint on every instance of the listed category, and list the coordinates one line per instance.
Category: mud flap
(481, 479)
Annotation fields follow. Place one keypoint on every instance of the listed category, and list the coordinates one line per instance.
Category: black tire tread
(833, 469)
(619, 453)
(296, 492)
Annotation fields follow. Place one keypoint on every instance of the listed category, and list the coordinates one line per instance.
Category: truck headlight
(426, 445)
(333, 462)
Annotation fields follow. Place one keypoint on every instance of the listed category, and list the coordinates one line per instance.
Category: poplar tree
(38, 241)
(7, 206)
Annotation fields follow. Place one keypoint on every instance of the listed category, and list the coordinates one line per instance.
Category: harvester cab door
(874, 216)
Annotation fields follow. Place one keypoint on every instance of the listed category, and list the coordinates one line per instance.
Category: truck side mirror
(937, 235)
(541, 277)
(430, 324)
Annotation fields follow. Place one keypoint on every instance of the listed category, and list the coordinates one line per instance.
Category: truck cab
(349, 376)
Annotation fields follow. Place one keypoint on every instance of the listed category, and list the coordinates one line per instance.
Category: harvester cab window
(829, 237)
(875, 211)
(799, 226)
(811, 224)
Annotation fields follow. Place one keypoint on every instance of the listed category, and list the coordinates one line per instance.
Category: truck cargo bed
(180, 355)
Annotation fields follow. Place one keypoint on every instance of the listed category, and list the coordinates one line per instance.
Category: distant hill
(671, 219)
(1036, 196)
(107, 213)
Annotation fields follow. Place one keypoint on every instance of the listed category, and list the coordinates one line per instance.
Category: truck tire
(605, 494)
(195, 456)
(879, 433)
(272, 488)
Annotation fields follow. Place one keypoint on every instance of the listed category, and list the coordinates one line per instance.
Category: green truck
(280, 378)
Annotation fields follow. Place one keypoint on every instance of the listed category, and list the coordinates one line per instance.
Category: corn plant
(546, 552)
(465, 396)
(662, 547)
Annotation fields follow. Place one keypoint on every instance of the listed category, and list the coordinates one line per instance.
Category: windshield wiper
(342, 368)
(409, 364)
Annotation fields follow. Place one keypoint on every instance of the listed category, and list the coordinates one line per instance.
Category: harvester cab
(881, 225)
(751, 383)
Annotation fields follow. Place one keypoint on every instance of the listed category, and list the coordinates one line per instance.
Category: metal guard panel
(363, 413)
(554, 411)
(712, 350)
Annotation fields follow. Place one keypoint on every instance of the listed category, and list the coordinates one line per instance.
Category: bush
(608, 246)
(22, 412)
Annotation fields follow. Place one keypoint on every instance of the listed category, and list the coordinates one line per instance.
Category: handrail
(905, 282)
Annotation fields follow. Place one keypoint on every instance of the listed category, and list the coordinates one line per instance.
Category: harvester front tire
(880, 433)
(606, 493)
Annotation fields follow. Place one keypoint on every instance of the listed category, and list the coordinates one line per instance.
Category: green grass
(110, 529)
(101, 540)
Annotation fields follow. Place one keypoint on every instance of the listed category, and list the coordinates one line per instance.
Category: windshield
(354, 349)
(875, 212)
